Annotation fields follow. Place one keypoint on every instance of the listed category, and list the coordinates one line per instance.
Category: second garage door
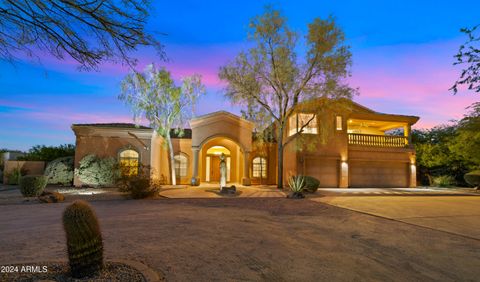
(378, 174)
(325, 170)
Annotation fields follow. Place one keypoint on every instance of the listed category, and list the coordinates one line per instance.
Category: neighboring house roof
(114, 125)
(187, 132)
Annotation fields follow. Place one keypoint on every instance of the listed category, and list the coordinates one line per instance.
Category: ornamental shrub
(444, 181)
(98, 172)
(139, 186)
(311, 184)
(84, 240)
(60, 171)
(32, 185)
(473, 178)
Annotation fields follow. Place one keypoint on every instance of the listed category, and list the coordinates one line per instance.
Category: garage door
(325, 170)
(378, 174)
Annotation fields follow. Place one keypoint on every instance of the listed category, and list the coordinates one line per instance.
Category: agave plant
(296, 184)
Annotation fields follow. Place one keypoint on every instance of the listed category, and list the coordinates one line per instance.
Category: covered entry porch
(216, 134)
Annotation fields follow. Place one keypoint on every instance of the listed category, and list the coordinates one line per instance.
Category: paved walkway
(453, 214)
(212, 191)
(397, 192)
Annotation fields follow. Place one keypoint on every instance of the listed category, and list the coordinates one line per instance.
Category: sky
(402, 63)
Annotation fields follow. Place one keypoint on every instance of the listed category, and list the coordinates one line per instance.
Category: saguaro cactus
(84, 239)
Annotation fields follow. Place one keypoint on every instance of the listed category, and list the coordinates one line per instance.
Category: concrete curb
(149, 274)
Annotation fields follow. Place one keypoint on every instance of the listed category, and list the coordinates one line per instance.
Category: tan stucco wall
(29, 167)
(184, 146)
(268, 151)
(222, 124)
(108, 142)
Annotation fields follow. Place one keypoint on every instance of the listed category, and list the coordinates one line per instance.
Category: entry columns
(246, 169)
(195, 179)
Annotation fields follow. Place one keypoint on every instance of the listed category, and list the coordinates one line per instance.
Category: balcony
(384, 141)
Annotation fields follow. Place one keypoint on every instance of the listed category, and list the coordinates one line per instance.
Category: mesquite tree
(274, 76)
(88, 31)
(469, 55)
(154, 95)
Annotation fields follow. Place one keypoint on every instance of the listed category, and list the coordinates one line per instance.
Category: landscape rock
(228, 190)
(51, 197)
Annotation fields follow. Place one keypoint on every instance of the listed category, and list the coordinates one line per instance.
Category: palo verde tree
(89, 31)
(469, 55)
(155, 96)
(273, 77)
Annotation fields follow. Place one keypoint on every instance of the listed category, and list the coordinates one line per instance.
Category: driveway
(248, 239)
(454, 214)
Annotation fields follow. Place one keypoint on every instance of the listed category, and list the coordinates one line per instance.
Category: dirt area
(253, 239)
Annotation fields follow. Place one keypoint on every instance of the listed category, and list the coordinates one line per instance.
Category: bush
(84, 240)
(98, 172)
(311, 184)
(13, 178)
(139, 186)
(32, 185)
(444, 181)
(473, 178)
(60, 171)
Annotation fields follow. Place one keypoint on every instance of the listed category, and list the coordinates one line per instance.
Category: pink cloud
(411, 80)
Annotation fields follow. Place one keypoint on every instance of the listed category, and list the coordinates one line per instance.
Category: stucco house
(357, 152)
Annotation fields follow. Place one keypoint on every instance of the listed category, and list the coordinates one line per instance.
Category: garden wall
(29, 167)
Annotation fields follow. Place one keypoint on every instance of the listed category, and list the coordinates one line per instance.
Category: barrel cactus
(84, 240)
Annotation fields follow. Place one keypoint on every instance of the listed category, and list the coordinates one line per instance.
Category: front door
(215, 169)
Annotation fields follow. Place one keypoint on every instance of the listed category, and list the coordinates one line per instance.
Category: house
(356, 149)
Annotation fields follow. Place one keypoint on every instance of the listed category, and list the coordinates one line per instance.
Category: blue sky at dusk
(402, 63)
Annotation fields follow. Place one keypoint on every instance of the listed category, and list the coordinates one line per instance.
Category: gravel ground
(59, 272)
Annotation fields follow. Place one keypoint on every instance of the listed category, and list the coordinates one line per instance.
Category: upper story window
(259, 167)
(181, 165)
(339, 123)
(129, 162)
(307, 121)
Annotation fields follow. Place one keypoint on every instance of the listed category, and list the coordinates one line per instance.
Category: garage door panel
(378, 174)
(325, 170)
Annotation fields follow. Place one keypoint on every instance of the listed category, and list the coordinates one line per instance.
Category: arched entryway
(221, 131)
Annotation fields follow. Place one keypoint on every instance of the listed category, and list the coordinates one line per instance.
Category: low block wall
(29, 167)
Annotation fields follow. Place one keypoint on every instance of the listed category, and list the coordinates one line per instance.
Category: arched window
(259, 167)
(181, 165)
(129, 162)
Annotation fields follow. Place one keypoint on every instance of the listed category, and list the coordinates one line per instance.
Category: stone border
(149, 274)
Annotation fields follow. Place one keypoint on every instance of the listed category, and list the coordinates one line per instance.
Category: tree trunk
(280, 158)
(172, 161)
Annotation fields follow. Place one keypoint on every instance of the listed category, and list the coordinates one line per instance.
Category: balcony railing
(377, 140)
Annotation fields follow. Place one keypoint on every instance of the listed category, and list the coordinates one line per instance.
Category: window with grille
(129, 162)
(259, 167)
(181, 165)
